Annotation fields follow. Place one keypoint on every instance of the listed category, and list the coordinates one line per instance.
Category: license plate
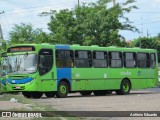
(18, 87)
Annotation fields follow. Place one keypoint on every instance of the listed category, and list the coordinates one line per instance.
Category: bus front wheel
(124, 88)
(62, 90)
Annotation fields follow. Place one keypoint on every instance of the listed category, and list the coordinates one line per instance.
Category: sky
(146, 18)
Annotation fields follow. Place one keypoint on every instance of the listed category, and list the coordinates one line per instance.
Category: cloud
(20, 11)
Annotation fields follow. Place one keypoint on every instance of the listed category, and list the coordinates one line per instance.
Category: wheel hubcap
(63, 89)
(125, 87)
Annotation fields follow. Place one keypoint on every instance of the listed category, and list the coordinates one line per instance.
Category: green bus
(37, 69)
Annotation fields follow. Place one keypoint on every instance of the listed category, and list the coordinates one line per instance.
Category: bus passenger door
(45, 66)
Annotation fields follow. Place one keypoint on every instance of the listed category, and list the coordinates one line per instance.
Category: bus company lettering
(77, 75)
(126, 73)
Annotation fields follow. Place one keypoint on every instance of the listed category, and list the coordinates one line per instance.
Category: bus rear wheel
(85, 93)
(124, 88)
(62, 91)
(50, 94)
(26, 94)
(36, 95)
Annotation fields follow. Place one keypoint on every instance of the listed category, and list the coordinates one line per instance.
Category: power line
(150, 22)
(144, 12)
(35, 7)
(34, 10)
(147, 19)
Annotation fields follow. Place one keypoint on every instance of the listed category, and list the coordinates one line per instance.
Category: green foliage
(145, 42)
(89, 24)
(24, 33)
(3, 46)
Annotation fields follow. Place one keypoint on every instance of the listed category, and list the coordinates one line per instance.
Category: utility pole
(78, 3)
(1, 33)
(140, 44)
(148, 34)
(114, 2)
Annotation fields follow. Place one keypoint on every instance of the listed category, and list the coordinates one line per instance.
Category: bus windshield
(22, 64)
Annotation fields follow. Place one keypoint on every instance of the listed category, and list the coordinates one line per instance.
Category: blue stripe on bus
(19, 81)
(63, 73)
(3, 82)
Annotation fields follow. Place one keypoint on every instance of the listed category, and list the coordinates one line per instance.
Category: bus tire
(26, 94)
(62, 91)
(36, 95)
(124, 88)
(50, 94)
(85, 93)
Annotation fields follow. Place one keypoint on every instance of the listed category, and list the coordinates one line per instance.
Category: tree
(24, 33)
(3, 46)
(93, 23)
(145, 42)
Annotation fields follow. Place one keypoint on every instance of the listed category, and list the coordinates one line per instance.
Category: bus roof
(93, 47)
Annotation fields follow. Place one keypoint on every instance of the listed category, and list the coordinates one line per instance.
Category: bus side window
(153, 60)
(143, 60)
(115, 59)
(99, 59)
(64, 58)
(130, 60)
(83, 59)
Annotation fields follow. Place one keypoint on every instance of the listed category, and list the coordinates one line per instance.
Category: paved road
(147, 99)
(137, 100)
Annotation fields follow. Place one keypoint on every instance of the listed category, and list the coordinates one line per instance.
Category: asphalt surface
(138, 100)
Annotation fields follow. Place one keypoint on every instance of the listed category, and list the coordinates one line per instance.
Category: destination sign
(21, 49)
